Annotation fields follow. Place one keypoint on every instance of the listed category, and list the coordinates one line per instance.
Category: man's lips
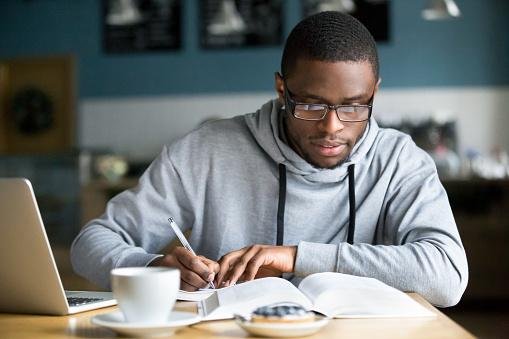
(329, 149)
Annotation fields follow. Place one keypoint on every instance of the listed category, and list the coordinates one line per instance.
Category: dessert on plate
(282, 313)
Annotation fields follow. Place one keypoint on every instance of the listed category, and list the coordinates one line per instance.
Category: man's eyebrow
(306, 95)
(357, 97)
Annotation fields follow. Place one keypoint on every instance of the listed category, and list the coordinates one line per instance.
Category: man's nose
(331, 123)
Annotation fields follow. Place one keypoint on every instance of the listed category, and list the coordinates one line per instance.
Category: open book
(333, 294)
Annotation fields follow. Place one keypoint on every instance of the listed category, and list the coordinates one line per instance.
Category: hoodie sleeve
(419, 247)
(134, 227)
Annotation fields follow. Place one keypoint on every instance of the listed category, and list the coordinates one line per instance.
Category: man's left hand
(255, 261)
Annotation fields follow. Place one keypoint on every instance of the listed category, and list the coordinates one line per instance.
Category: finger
(193, 263)
(192, 279)
(188, 279)
(253, 266)
(224, 265)
(213, 267)
(211, 264)
(238, 268)
(188, 275)
(187, 287)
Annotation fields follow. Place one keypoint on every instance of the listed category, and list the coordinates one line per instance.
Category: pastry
(283, 313)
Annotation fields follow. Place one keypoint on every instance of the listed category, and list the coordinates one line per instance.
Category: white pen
(184, 241)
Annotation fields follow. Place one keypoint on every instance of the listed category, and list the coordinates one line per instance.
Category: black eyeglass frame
(291, 103)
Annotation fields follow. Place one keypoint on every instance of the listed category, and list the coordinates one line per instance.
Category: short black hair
(329, 36)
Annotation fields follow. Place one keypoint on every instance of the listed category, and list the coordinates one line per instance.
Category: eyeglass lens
(345, 113)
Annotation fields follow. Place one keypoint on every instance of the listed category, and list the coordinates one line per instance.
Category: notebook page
(194, 296)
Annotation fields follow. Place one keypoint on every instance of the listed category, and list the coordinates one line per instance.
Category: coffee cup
(145, 294)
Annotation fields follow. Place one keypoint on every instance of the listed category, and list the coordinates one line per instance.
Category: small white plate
(283, 329)
(116, 322)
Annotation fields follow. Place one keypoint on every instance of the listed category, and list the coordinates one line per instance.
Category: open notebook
(333, 294)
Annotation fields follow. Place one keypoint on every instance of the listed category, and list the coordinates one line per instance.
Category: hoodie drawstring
(282, 202)
(281, 205)
(351, 200)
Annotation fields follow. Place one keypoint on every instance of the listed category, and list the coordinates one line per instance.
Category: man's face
(326, 143)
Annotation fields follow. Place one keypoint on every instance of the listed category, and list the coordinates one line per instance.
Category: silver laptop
(29, 280)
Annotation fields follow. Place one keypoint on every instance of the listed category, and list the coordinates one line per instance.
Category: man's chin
(327, 163)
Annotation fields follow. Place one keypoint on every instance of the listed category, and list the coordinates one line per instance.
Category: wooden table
(79, 325)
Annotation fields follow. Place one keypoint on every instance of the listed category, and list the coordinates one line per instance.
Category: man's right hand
(195, 271)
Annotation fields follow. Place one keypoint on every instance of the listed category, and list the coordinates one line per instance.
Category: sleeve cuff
(154, 258)
(315, 258)
(138, 259)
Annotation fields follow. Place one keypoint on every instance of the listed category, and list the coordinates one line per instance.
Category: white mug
(145, 294)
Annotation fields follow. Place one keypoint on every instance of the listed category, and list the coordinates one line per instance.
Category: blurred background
(91, 90)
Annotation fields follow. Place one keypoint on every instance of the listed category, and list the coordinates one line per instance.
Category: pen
(184, 241)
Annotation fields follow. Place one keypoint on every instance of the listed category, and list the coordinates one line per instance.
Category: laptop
(29, 279)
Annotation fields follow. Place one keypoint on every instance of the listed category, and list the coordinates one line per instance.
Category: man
(307, 184)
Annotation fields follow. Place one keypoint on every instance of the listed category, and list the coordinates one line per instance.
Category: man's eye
(311, 107)
(348, 109)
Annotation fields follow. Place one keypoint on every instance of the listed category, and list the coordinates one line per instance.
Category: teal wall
(470, 51)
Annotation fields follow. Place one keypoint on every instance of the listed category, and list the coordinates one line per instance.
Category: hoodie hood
(266, 125)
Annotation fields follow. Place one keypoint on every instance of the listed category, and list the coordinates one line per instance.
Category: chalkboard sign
(141, 25)
(374, 14)
(240, 23)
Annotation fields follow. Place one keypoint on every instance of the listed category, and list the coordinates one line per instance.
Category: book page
(347, 296)
(246, 297)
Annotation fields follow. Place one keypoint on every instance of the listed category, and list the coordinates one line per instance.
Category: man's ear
(279, 87)
(377, 86)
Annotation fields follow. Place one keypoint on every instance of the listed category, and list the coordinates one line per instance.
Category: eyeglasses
(315, 112)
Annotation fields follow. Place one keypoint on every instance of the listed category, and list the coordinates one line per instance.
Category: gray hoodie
(222, 181)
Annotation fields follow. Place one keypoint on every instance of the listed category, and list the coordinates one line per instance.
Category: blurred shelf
(481, 210)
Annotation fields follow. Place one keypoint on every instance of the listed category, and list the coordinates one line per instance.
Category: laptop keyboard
(78, 301)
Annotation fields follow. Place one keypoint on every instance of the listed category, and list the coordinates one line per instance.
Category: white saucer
(283, 329)
(115, 321)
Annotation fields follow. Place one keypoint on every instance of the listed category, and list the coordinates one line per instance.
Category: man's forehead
(311, 68)
(314, 77)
